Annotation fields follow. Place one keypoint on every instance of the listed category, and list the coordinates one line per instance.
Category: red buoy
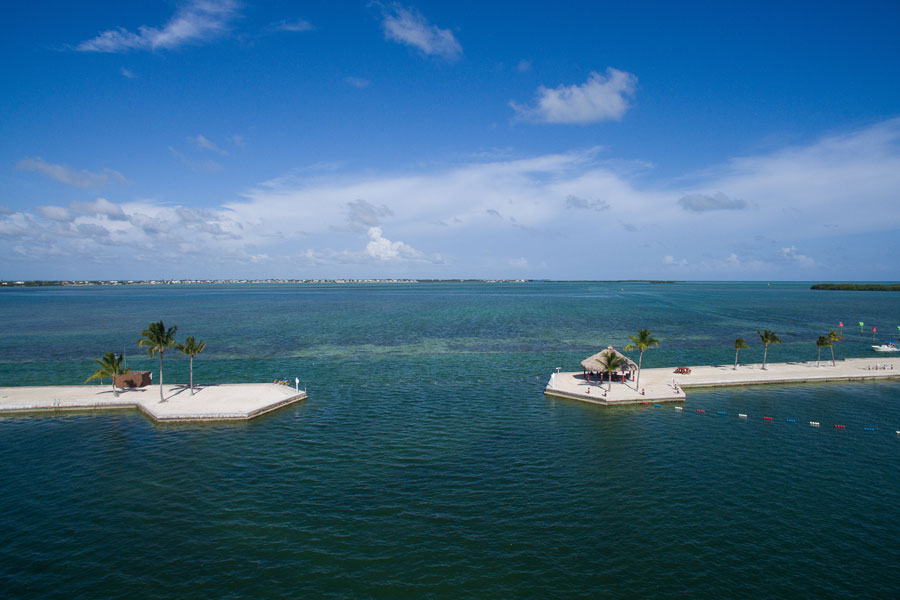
(767, 418)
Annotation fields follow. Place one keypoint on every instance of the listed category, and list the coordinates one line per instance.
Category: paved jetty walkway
(239, 401)
(663, 385)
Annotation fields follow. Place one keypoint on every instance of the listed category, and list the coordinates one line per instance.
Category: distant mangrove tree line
(858, 287)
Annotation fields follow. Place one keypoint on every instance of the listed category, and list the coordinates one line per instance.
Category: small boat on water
(886, 347)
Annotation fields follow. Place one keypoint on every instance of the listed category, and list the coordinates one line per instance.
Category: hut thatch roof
(595, 362)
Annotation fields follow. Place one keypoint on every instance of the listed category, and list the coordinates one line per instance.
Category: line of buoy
(767, 418)
(658, 405)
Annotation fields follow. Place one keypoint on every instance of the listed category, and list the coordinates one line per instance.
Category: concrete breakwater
(227, 402)
(664, 385)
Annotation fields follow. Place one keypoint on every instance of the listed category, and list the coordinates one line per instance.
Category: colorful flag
(841, 324)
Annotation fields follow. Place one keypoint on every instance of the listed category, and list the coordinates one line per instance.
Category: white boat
(886, 347)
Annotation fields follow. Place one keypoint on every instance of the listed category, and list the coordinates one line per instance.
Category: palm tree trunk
(819, 357)
(832, 355)
(192, 375)
(637, 383)
(161, 399)
(765, 351)
(735, 359)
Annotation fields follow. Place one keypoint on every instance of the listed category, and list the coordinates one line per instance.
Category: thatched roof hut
(594, 363)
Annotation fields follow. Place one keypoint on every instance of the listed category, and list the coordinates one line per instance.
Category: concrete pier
(664, 385)
(229, 402)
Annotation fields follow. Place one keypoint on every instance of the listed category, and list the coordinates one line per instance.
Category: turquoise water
(428, 464)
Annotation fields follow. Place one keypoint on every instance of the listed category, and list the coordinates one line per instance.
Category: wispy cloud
(408, 26)
(704, 203)
(127, 73)
(69, 176)
(203, 166)
(292, 26)
(598, 99)
(197, 22)
(204, 144)
(357, 82)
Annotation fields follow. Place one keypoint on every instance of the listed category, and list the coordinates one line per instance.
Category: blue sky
(226, 138)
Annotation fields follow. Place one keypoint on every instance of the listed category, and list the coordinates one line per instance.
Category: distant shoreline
(82, 283)
(858, 287)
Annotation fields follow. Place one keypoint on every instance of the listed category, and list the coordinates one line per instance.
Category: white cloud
(196, 22)
(408, 26)
(54, 213)
(791, 255)
(479, 217)
(100, 207)
(204, 144)
(598, 99)
(384, 249)
(127, 73)
(69, 176)
(523, 66)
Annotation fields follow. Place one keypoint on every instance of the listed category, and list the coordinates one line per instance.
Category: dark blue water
(428, 464)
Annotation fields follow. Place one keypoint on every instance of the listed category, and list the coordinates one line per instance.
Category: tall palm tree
(642, 341)
(192, 349)
(611, 362)
(738, 346)
(821, 343)
(156, 339)
(832, 338)
(767, 337)
(110, 366)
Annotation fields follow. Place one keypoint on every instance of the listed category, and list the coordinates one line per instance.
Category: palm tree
(156, 339)
(642, 341)
(110, 366)
(738, 346)
(832, 338)
(192, 349)
(821, 343)
(767, 337)
(611, 362)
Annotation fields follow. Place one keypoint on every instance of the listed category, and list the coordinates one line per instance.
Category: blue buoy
(658, 405)
(721, 412)
(869, 428)
(791, 420)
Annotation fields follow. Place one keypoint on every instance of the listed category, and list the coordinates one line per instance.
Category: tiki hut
(594, 364)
